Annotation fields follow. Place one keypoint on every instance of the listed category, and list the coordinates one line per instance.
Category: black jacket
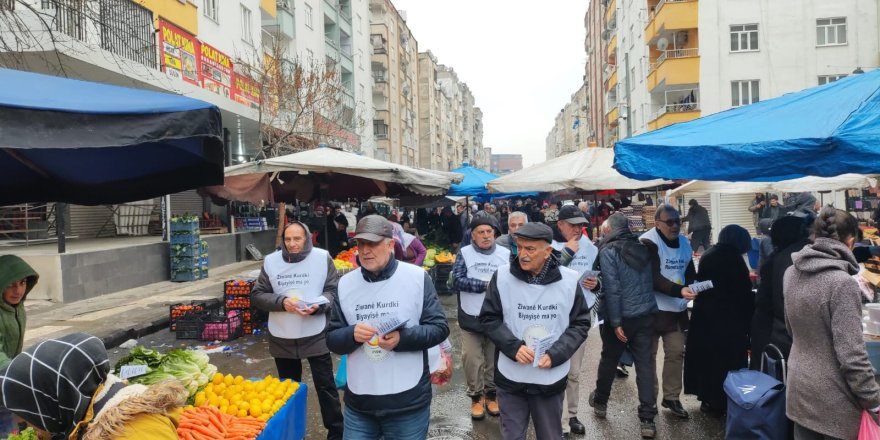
(432, 330)
(627, 281)
(697, 218)
(768, 322)
(507, 344)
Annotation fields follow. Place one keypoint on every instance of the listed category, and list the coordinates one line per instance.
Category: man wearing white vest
(298, 272)
(537, 316)
(578, 253)
(673, 270)
(474, 266)
(385, 319)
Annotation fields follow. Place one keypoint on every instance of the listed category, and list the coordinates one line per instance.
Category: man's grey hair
(667, 208)
(605, 227)
(583, 206)
(617, 221)
(516, 214)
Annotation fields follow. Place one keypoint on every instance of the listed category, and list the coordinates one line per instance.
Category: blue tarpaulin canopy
(474, 184)
(823, 131)
(64, 140)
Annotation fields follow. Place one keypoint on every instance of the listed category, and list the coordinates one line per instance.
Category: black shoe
(576, 426)
(710, 410)
(676, 408)
(649, 430)
(599, 409)
(621, 371)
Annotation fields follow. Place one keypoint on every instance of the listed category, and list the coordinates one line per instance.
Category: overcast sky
(522, 61)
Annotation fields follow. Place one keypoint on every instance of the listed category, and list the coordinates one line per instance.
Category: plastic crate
(238, 302)
(183, 276)
(186, 227)
(175, 311)
(192, 239)
(441, 276)
(182, 263)
(203, 273)
(238, 287)
(189, 325)
(185, 250)
(224, 326)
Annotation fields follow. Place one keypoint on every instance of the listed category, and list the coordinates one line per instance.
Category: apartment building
(594, 21)
(571, 129)
(506, 163)
(394, 67)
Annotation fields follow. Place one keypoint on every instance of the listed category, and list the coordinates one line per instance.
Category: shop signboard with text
(216, 70)
(179, 53)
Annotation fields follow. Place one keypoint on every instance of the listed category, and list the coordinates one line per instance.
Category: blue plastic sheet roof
(474, 184)
(45, 92)
(822, 131)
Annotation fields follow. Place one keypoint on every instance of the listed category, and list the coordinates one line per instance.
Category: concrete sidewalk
(128, 314)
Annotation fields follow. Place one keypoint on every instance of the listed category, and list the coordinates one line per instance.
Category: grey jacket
(431, 330)
(264, 298)
(830, 379)
(627, 287)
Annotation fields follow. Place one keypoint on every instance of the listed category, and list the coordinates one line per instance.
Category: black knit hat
(482, 218)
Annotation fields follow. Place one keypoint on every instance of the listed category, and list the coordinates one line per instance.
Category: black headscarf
(51, 384)
(788, 230)
(736, 236)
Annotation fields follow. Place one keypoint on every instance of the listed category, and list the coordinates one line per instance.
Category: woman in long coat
(718, 338)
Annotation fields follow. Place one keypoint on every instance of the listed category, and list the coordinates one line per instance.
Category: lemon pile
(236, 396)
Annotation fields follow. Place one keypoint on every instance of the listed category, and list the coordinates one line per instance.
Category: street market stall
(822, 131)
(811, 183)
(585, 170)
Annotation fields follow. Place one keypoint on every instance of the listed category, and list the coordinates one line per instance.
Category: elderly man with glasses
(673, 270)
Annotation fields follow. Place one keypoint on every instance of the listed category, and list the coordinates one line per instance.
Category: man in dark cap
(474, 266)
(536, 314)
(386, 318)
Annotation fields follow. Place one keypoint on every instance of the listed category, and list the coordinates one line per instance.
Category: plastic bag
(868, 430)
(441, 365)
(342, 372)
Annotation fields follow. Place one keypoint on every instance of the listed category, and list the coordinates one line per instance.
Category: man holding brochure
(386, 318)
(536, 315)
(297, 286)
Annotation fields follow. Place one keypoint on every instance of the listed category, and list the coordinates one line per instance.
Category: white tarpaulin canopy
(328, 160)
(810, 183)
(586, 170)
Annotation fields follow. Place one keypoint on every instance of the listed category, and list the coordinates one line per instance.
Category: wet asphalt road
(450, 410)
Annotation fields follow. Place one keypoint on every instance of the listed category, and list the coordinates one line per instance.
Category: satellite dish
(662, 44)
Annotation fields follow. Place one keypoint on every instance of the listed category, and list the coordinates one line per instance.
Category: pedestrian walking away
(577, 253)
(699, 225)
(673, 270)
(474, 267)
(718, 338)
(830, 378)
(295, 273)
(627, 309)
(386, 318)
(537, 316)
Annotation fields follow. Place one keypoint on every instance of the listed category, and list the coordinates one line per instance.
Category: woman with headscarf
(718, 338)
(63, 386)
(407, 247)
(789, 234)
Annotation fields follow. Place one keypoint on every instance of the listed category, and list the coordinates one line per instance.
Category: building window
(744, 38)
(830, 31)
(632, 78)
(744, 92)
(308, 16)
(360, 24)
(361, 58)
(363, 91)
(210, 9)
(825, 79)
(246, 19)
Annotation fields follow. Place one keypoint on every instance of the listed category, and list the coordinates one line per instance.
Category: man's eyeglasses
(670, 223)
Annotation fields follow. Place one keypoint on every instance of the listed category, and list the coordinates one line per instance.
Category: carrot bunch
(208, 423)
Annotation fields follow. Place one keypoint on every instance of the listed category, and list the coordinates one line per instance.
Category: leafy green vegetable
(190, 367)
(27, 434)
(140, 356)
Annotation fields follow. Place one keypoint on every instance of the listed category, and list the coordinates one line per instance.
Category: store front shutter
(86, 221)
(735, 211)
(187, 202)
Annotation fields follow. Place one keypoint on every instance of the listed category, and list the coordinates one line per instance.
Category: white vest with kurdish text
(673, 265)
(534, 311)
(303, 280)
(372, 370)
(480, 267)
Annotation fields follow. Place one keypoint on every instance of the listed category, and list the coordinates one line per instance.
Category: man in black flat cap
(536, 315)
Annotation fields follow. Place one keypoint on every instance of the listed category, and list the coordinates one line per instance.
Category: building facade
(505, 163)
(594, 45)
(571, 129)
(394, 66)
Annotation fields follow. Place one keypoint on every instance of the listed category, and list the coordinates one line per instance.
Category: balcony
(612, 46)
(674, 68)
(673, 114)
(671, 15)
(613, 116)
(611, 10)
(611, 82)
